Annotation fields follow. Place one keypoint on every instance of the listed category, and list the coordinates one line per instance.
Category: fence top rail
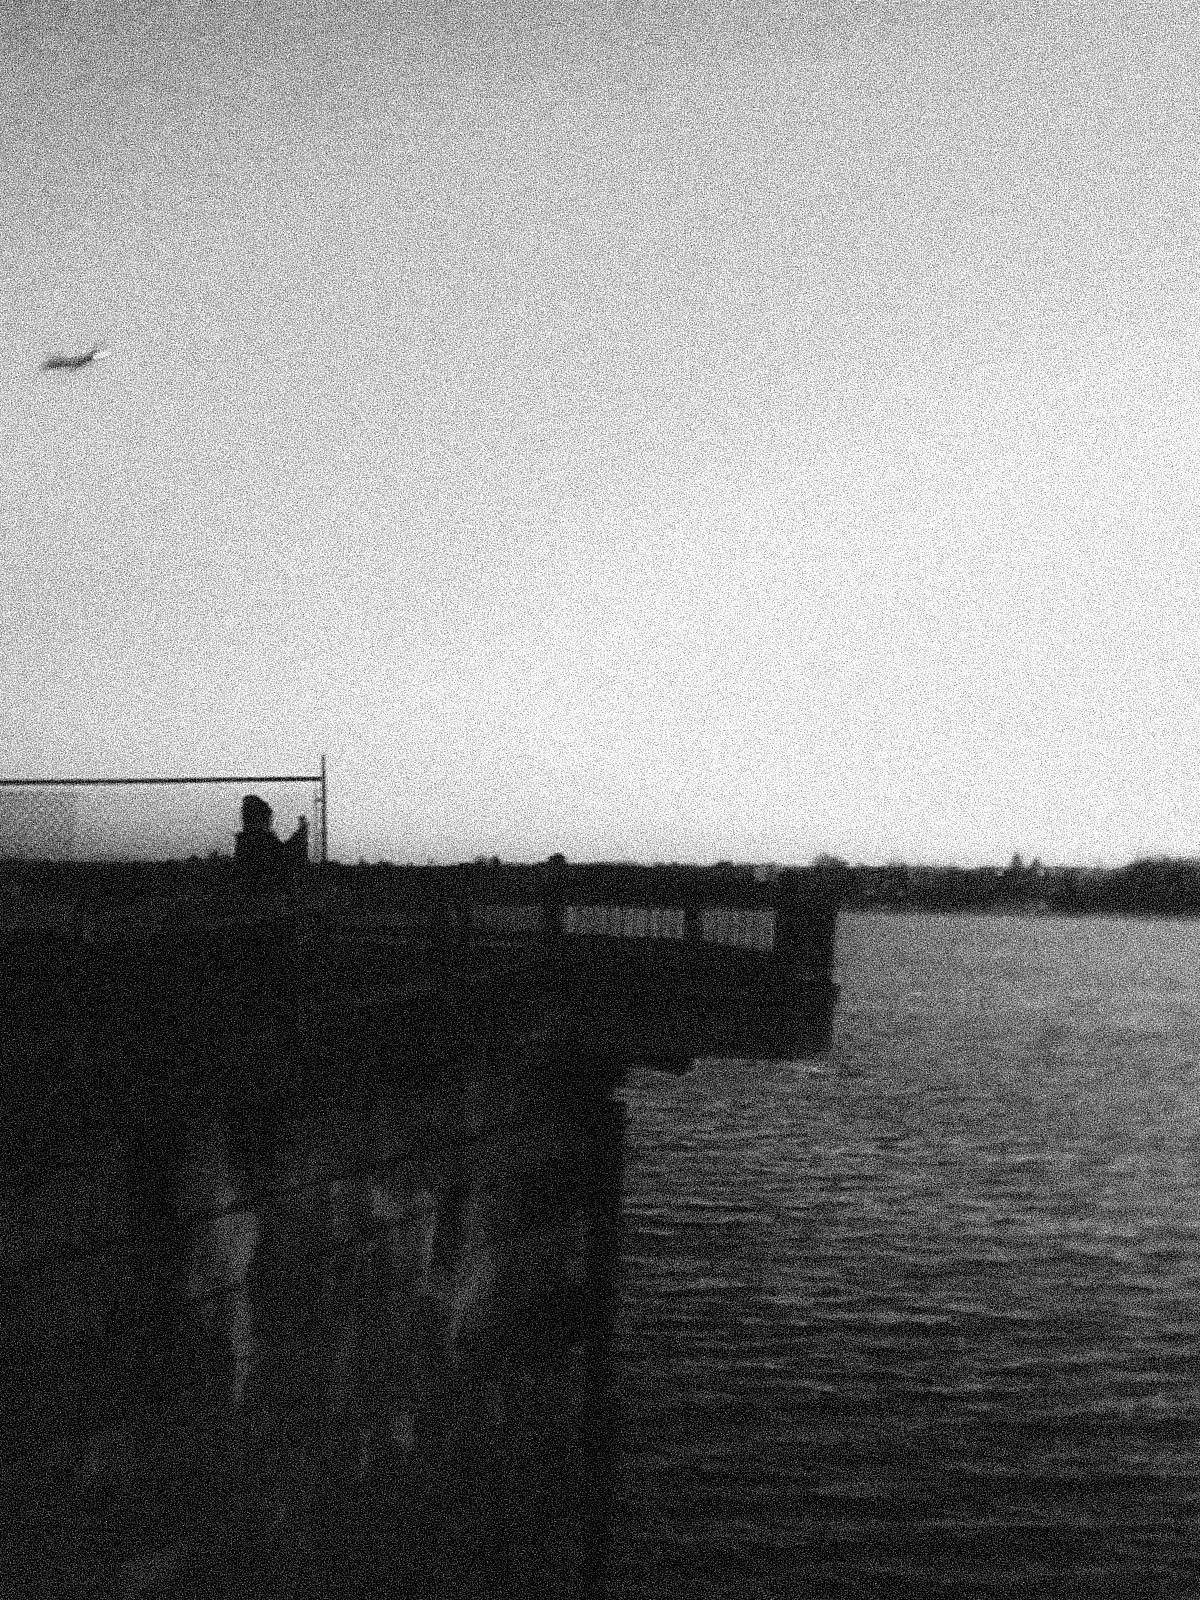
(73, 783)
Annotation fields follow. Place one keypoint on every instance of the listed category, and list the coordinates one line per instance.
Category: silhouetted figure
(296, 847)
(263, 858)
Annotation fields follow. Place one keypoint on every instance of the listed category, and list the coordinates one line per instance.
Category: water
(923, 1318)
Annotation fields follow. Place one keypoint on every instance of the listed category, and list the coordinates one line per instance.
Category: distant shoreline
(1156, 887)
(1074, 913)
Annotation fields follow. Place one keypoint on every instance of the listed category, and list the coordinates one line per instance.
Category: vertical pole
(787, 943)
(553, 890)
(324, 814)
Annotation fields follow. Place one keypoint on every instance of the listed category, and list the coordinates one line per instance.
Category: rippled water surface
(923, 1318)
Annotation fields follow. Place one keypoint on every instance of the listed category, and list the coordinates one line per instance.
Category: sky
(687, 431)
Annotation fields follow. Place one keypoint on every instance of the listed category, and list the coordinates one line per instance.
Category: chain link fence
(151, 818)
(38, 824)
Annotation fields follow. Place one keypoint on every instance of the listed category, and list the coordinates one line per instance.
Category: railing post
(806, 909)
(463, 906)
(553, 891)
(787, 903)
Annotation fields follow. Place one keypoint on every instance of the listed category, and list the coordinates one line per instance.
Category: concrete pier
(309, 1222)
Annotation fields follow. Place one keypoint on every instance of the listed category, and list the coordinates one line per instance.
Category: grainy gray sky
(678, 430)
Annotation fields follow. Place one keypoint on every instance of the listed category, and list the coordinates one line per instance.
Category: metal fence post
(324, 814)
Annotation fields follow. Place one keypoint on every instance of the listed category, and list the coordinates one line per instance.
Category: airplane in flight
(60, 363)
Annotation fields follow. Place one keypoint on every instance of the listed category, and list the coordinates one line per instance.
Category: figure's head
(256, 814)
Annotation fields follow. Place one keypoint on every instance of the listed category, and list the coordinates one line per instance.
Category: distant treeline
(1161, 886)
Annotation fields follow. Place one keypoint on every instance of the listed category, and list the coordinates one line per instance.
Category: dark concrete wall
(325, 1344)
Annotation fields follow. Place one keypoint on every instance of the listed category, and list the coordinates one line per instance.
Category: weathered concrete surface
(349, 1346)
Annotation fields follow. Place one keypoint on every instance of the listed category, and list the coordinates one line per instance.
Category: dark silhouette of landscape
(1153, 886)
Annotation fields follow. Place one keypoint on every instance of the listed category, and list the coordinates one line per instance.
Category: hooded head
(256, 815)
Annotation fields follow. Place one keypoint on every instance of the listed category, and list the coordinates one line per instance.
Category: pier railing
(788, 915)
(138, 979)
